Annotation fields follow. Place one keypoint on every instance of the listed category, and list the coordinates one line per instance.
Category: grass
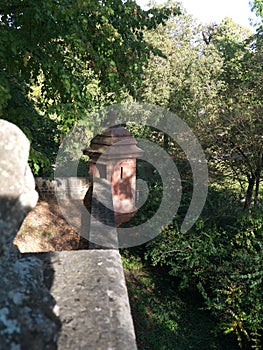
(165, 317)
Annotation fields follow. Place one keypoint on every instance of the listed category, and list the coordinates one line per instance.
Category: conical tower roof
(114, 142)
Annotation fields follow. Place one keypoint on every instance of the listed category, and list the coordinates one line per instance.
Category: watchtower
(113, 157)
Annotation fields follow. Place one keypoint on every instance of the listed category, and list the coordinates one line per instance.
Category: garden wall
(64, 187)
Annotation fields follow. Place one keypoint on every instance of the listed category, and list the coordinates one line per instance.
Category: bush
(224, 262)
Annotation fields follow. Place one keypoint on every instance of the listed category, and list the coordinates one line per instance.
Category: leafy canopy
(60, 58)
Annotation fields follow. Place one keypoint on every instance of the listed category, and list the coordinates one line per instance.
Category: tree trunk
(249, 194)
(258, 175)
(165, 142)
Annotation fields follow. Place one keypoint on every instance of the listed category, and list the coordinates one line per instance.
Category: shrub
(224, 262)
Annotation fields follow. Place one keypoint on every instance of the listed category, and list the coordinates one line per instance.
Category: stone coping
(91, 298)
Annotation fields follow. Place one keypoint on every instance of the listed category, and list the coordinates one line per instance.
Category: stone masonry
(59, 300)
(91, 299)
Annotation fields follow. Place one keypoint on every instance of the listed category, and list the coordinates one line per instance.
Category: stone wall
(91, 298)
(17, 186)
(64, 187)
(27, 320)
(58, 300)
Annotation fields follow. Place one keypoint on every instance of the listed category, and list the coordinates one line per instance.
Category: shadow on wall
(28, 312)
(27, 309)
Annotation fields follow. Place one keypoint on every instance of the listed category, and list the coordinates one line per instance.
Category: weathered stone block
(27, 317)
(17, 186)
(91, 299)
(63, 187)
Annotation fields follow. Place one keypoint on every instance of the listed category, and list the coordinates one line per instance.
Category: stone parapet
(64, 187)
(91, 298)
(69, 300)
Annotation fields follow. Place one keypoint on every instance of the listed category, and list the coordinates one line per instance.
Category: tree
(77, 54)
(184, 79)
(257, 7)
(238, 127)
(212, 78)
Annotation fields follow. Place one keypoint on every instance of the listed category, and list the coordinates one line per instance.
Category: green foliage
(257, 7)
(39, 164)
(184, 79)
(67, 57)
(164, 317)
(235, 129)
(222, 258)
(239, 297)
(212, 78)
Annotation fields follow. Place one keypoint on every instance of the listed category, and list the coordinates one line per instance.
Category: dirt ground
(45, 229)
